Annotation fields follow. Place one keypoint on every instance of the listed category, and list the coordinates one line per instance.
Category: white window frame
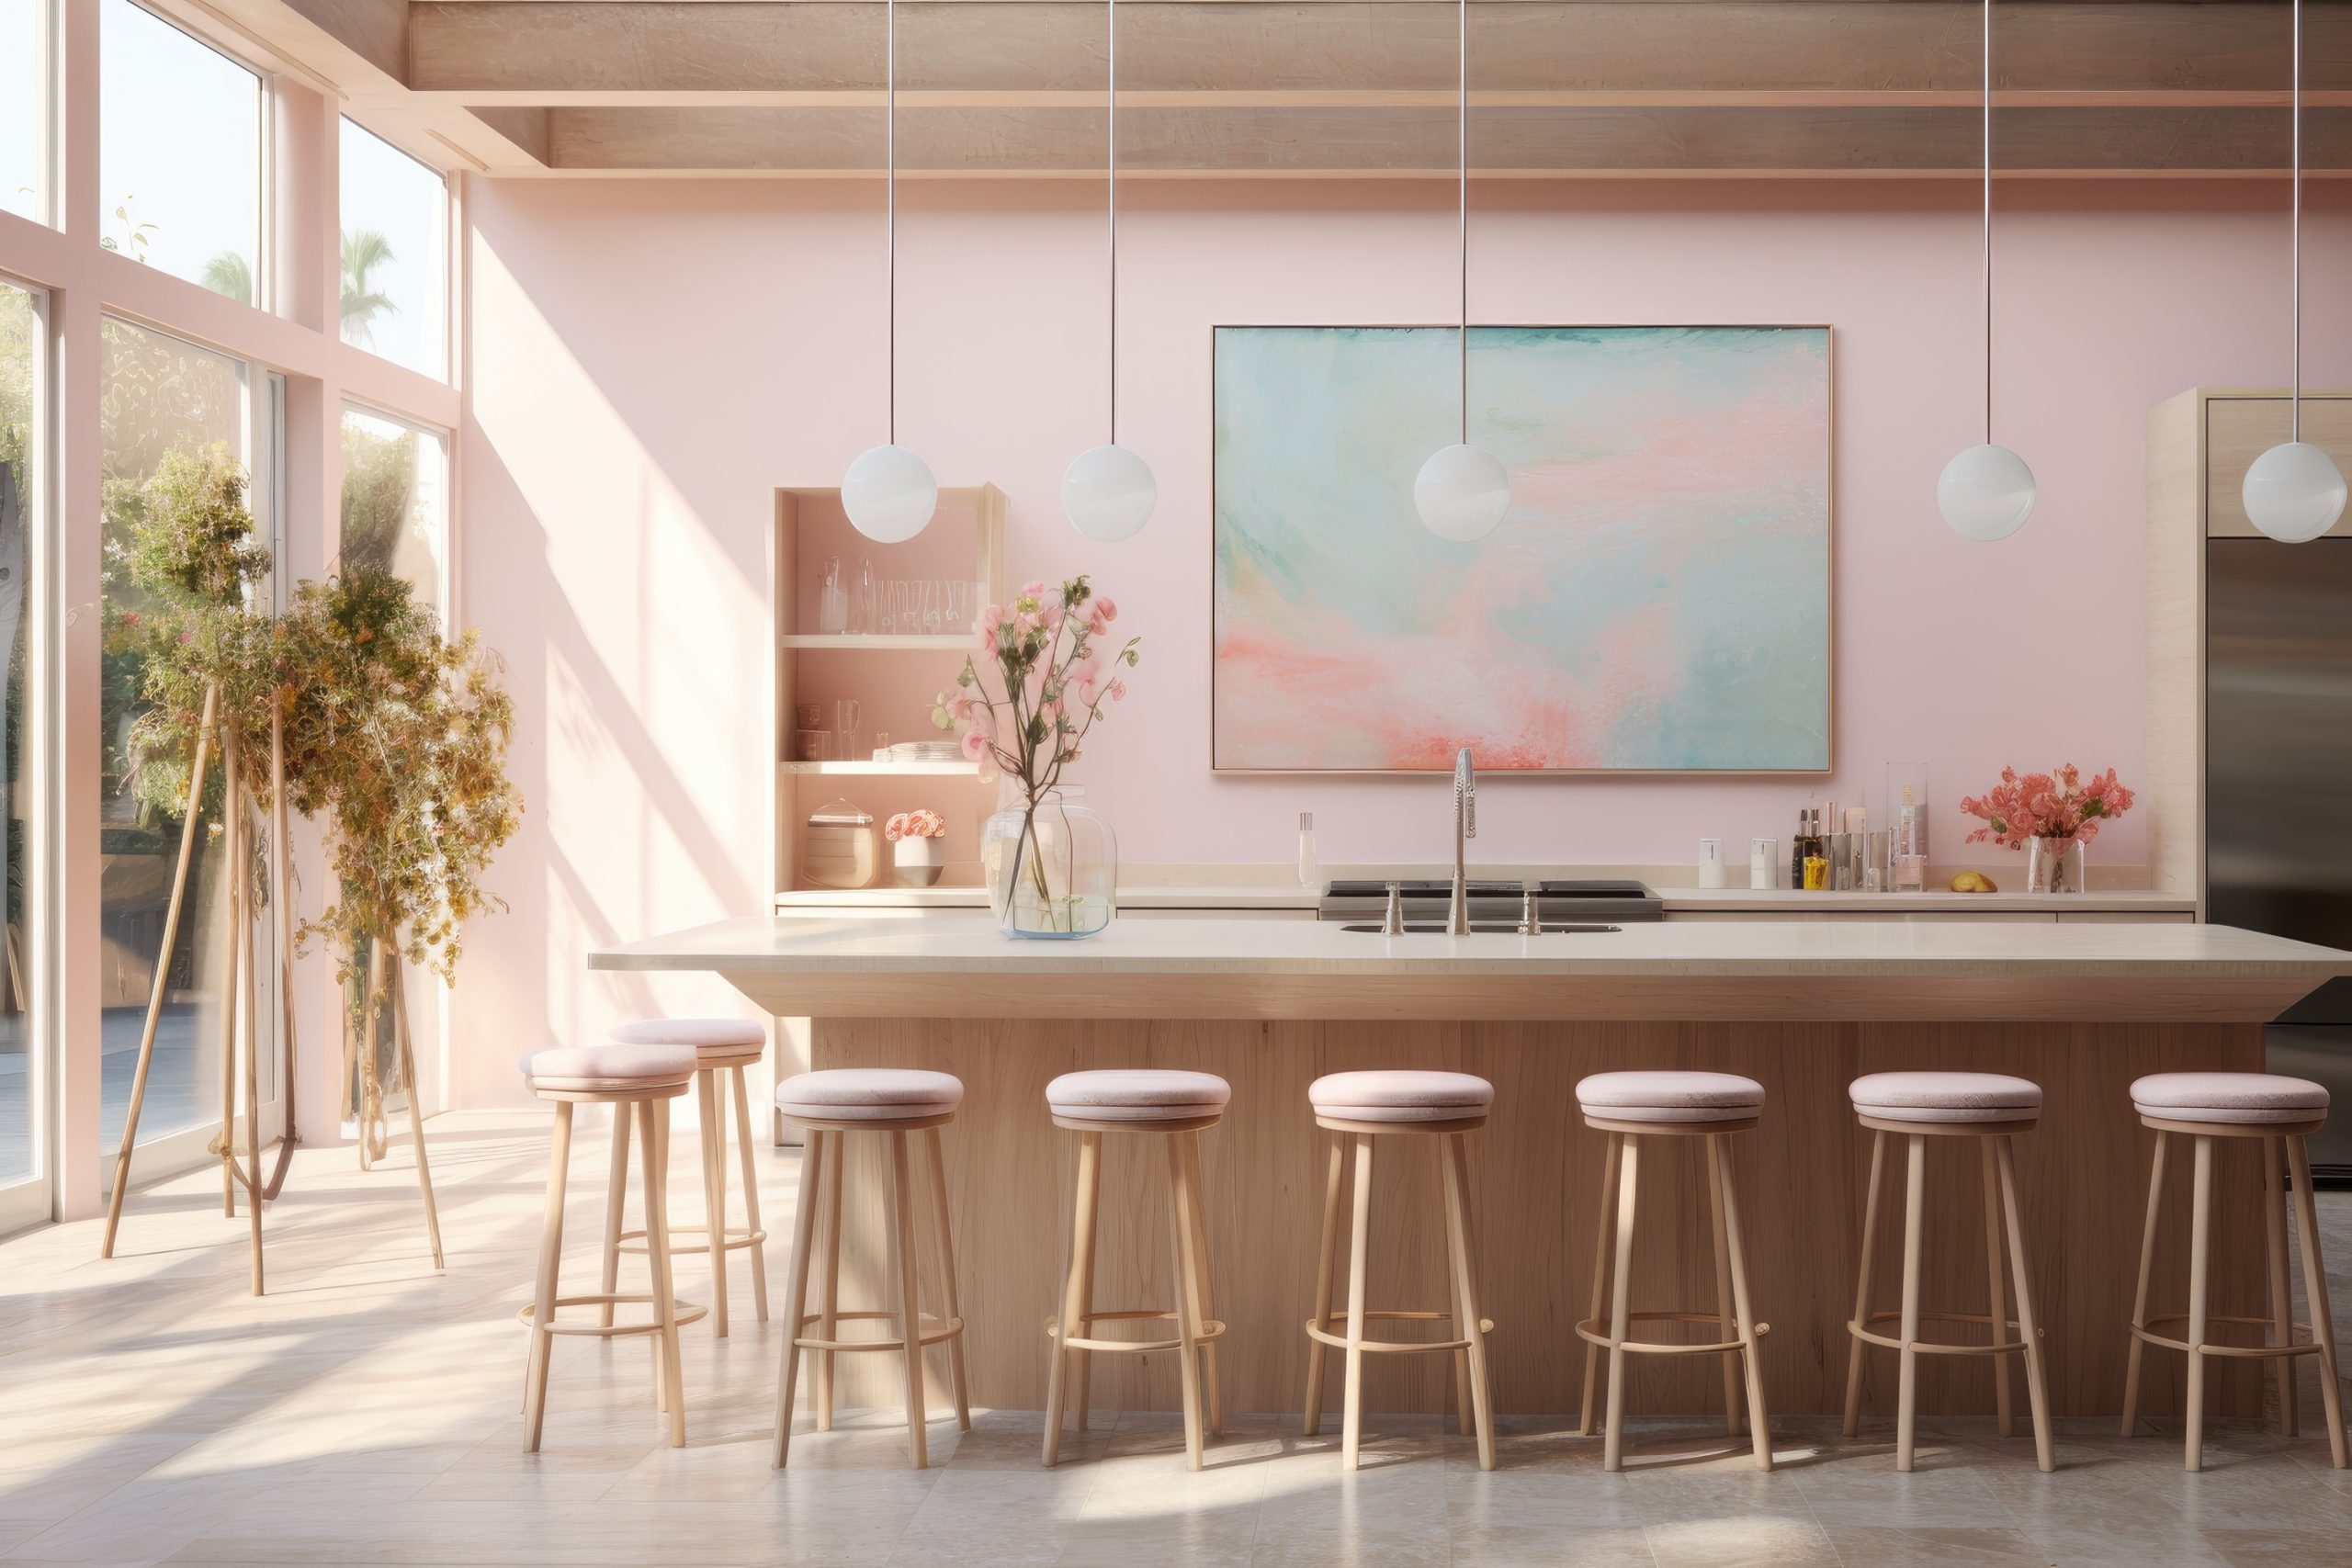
(33, 1198)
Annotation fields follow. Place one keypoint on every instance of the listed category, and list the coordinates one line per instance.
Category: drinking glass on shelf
(934, 616)
(832, 599)
(862, 601)
(809, 716)
(960, 613)
(845, 718)
(894, 594)
(881, 745)
(811, 745)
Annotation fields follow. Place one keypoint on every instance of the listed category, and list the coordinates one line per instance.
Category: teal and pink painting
(1657, 601)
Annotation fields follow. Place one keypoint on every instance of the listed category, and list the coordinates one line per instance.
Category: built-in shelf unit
(894, 676)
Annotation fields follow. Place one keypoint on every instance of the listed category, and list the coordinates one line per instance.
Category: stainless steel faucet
(1465, 826)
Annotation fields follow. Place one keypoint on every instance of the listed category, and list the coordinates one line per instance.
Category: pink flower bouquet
(2064, 805)
(923, 823)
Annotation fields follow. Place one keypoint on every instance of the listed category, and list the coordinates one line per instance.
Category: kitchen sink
(1486, 928)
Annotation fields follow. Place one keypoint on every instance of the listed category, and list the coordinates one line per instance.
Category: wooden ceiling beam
(1032, 52)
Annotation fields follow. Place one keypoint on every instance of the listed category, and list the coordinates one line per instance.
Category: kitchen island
(1802, 1007)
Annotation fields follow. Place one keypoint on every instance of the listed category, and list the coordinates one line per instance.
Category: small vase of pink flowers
(1046, 669)
(915, 837)
(2052, 818)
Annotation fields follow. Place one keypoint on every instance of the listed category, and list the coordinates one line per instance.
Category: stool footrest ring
(737, 1237)
(1594, 1331)
(686, 1312)
(1894, 1342)
(1317, 1332)
(2294, 1347)
(1211, 1328)
(948, 1329)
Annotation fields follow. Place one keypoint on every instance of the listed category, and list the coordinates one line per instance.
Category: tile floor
(364, 1411)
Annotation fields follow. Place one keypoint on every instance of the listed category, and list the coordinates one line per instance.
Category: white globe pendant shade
(1462, 493)
(1985, 493)
(890, 494)
(2294, 493)
(1109, 494)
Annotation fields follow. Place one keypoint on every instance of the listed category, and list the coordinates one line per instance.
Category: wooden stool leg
(1359, 1243)
(2200, 1223)
(1607, 1207)
(1083, 1387)
(1723, 1318)
(2282, 1316)
(828, 1324)
(1081, 1260)
(796, 1293)
(1760, 1420)
(2139, 1296)
(714, 1195)
(1997, 1294)
(946, 1257)
(1326, 1264)
(1466, 1418)
(910, 1302)
(1204, 1277)
(615, 1200)
(1629, 1162)
(655, 1139)
(1184, 1285)
(1461, 1250)
(1862, 1285)
(2036, 1378)
(2315, 1298)
(750, 1170)
(535, 1395)
(1915, 1193)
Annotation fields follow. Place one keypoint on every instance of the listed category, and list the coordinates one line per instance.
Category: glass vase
(1052, 867)
(2053, 865)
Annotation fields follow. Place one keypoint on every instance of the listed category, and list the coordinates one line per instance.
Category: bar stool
(1361, 1106)
(1633, 1105)
(1176, 1106)
(1992, 1109)
(646, 1078)
(723, 1047)
(828, 1106)
(2281, 1114)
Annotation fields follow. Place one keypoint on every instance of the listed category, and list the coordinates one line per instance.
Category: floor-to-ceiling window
(395, 253)
(180, 153)
(162, 395)
(24, 1059)
(23, 107)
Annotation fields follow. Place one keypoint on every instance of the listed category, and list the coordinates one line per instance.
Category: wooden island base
(1535, 1178)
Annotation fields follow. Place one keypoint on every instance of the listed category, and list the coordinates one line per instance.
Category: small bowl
(917, 876)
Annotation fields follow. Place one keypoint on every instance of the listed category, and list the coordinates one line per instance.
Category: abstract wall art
(1657, 600)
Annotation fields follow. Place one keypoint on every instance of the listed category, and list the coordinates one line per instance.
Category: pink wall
(649, 361)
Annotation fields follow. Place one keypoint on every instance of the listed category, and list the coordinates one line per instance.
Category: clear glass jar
(2054, 865)
(1052, 867)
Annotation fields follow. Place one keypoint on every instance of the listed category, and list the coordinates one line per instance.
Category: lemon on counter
(1972, 882)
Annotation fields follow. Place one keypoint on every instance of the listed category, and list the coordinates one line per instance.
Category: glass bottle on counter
(1908, 852)
(1797, 849)
(1816, 856)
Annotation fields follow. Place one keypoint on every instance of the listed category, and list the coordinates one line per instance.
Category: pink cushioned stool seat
(1946, 1097)
(1400, 1095)
(585, 1069)
(870, 1094)
(2254, 1098)
(720, 1042)
(1670, 1096)
(1138, 1094)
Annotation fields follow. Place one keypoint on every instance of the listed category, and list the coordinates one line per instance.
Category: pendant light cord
(2295, 243)
(890, 192)
(1462, 146)
(1111, 130)
(1988, 222)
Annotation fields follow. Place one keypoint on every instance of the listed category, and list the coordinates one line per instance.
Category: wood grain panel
(1533, 1176)
(2239, 430)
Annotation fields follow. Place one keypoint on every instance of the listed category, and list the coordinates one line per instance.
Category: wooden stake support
(240, 1037)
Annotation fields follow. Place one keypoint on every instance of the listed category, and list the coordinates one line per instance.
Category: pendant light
(1987, 492)
(2294, 491)
(1462, 491)
(1107, 490)
(888, 492)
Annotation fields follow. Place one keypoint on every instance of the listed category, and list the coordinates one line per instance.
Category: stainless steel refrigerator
(2279, 783)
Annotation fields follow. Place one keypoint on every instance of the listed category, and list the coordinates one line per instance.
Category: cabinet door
(2239, 430)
